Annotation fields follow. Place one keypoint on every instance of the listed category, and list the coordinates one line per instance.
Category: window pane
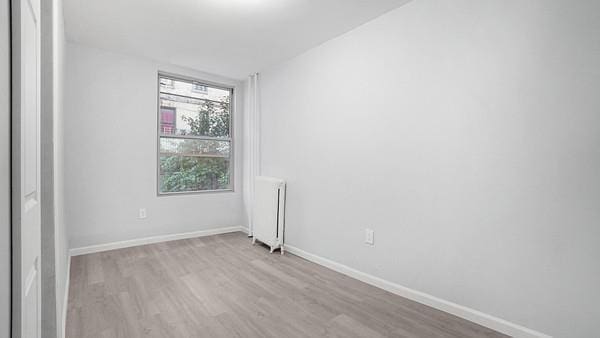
(194, 89)
(189, 116)
(193, 147)
(194, 136)
(187, 173)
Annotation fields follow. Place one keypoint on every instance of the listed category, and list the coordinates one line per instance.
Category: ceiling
(231, 38)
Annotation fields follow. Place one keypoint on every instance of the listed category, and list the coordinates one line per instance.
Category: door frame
(46, 264)
(6, 180)
(15, 126)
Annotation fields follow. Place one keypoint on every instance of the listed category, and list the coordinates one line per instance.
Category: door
(26, 216)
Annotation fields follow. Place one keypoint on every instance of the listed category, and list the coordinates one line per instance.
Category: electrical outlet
(142, 213)
(369, 236)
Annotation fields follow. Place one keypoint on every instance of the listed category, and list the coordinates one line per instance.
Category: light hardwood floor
(222, 286)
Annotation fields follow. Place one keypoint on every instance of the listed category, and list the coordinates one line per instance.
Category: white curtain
(251, 144)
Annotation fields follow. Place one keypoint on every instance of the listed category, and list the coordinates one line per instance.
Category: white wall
(5, 235)
(110, 154)
(60, 233)
(467, 135)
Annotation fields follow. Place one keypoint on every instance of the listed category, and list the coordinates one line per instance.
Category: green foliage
(212, 120)
(194, 173)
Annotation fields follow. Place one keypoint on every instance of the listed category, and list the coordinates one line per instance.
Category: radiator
(268, 212)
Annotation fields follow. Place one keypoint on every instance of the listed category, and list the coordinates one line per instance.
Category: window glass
(194, 136)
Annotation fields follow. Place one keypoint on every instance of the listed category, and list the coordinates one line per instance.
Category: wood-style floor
(222, 286)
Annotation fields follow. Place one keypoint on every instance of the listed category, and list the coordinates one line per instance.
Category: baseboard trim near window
(153, 239)
(469, 314)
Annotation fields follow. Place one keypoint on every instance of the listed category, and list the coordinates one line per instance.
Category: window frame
(231, 138)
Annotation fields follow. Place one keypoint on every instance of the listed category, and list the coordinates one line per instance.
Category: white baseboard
(469, 314)
(66, 299)
(149, 240)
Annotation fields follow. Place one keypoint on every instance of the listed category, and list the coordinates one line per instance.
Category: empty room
(298, 168)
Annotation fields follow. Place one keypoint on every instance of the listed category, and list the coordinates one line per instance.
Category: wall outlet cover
(369, 236)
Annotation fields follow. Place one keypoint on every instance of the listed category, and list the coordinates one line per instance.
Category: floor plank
(222, 286)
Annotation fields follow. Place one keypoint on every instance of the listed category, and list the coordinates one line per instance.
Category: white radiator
(268, 212)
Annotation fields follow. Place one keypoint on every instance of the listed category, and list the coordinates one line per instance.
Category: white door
(26, 168)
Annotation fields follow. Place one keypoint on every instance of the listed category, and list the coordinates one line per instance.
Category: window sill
(163, 194)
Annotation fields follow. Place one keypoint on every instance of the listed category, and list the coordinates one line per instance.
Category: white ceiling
(232, 38)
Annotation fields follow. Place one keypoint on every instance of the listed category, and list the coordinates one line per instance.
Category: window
(194, 136)
(167, 83)
(199, 88)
